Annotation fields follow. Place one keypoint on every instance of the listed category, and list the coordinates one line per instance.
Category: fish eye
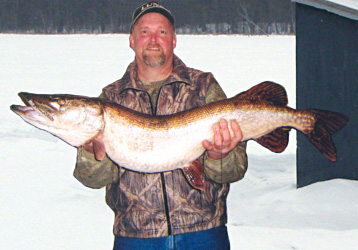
(60, 101)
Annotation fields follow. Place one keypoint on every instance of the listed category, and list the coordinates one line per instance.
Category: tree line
(114, 16)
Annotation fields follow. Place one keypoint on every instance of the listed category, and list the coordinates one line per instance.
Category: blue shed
(327, 78)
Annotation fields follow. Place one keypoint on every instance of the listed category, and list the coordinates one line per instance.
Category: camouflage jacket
(161, 204)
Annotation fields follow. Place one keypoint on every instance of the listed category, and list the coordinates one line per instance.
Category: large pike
(148, 143)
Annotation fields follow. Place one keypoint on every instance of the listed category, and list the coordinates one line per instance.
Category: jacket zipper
(164, 188)
(166, 204)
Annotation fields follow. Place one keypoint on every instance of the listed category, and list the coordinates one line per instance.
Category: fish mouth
(35, 105)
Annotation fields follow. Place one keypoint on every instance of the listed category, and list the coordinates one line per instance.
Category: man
(162, 210)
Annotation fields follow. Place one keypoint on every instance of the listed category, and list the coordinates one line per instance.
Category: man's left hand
(224, 142)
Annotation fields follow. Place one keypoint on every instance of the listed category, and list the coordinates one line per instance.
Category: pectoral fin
(193, 174)
(99, 149)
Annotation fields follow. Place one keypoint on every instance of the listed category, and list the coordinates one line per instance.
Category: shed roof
(346, 8)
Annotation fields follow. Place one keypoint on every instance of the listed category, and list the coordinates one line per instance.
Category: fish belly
(147, 150)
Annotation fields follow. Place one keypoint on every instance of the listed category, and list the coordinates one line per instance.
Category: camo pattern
(159, 204)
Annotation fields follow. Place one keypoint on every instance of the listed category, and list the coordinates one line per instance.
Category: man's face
(153, 39)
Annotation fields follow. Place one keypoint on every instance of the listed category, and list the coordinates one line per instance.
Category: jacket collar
(179, 74)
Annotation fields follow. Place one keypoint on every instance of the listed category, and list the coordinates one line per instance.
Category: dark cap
(151, 6)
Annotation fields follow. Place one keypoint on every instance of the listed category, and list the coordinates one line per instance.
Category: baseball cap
(152, 6)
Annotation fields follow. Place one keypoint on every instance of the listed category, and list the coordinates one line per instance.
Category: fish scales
(156, 144)
(147, 143)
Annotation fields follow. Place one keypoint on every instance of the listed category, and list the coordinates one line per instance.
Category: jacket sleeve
(93, 173)
(233, 167)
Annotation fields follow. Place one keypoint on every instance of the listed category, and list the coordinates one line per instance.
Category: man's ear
(174, 41)
(131, 41)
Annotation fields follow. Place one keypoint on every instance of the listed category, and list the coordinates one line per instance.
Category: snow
(349, 3)
(345, 8)
(352, 4)
(42, 206)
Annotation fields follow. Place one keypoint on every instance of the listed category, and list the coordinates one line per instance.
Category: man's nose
(153, 37)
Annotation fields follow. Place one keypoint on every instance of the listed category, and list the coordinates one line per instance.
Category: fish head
(74, 119)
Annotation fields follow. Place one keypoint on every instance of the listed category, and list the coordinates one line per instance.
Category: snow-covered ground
(43, 207)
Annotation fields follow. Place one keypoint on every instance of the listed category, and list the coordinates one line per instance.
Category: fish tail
(326, 124)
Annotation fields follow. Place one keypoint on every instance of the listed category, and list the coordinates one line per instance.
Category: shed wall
(327, 78)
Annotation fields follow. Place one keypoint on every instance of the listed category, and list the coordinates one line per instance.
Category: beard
(153, 59)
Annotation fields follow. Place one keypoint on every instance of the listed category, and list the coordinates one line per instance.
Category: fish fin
(99, 149)
(193, 174)
(327, 123)
(276, 141)
(266, 91)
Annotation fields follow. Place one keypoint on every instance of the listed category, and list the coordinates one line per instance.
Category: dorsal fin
(266, 91)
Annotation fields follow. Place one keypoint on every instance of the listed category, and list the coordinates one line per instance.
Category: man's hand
(224, 142)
